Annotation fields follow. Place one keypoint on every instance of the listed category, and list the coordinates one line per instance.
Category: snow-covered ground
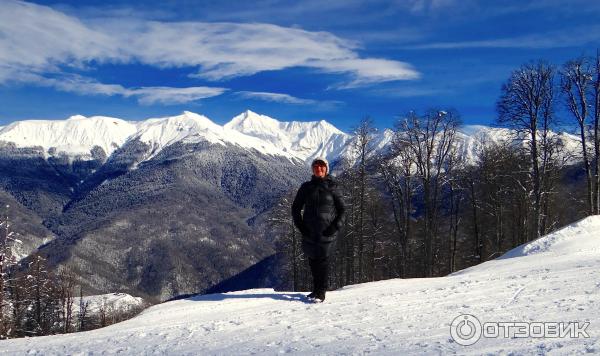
(109, 301)
(553, 279)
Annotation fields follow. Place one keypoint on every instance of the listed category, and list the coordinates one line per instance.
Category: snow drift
(555, 278)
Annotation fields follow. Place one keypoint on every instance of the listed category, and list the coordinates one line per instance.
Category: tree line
(35, 301)
(424, 209)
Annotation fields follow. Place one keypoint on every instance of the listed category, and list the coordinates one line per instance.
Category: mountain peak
(76, 117)
(190, 114)
(249, 112)
(304, 139)
(188, 120)
(326, 125)
(249, 120)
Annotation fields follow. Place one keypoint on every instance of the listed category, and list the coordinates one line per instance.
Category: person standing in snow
(322, 218)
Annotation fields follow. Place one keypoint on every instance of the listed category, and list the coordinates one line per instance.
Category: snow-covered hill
(553, 279)
(109, 302)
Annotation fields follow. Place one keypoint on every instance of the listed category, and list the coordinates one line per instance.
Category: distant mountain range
(77, 136)
(80, 137)
(165, 206)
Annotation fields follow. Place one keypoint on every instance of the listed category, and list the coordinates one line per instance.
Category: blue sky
(338, 60)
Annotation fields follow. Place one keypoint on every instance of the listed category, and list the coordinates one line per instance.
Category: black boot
(320, 296)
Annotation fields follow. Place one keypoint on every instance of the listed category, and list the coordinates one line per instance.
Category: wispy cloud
(144, 95)
(39, 39)
(276, 97)
(288, 99)
(170, 95)
(554, 39)
(421, 6)
(409, 92)
(368, 71)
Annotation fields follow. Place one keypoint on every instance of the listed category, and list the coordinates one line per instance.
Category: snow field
(553, 279)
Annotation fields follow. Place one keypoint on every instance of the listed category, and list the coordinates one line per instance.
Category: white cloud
(289, 99)
(169, 95)
(276, 97)
(39, 39)
(408, 92)
(369, 70)
(145, 95)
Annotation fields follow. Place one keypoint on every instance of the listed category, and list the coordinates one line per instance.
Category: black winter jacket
(322, 218)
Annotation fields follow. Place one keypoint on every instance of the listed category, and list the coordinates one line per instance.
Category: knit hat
(321, 159)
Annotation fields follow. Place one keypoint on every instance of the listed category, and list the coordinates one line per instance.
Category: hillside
(552, 279)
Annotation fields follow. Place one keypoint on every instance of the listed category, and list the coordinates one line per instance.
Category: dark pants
(320, 272)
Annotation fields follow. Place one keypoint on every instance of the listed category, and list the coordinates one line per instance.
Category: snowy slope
(76, 135)
(574, 239)
(553, 279)
(471, 139)
(380, 143)
(191, 127)
(305, 140)
(110, 301)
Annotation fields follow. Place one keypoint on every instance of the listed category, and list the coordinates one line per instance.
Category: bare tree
(347, 246)
(454, 167)
(83, 313)
(396, 170)
(289, 238)
(576, 84)
(596, 134)
(66, 295)
(364, 134)
(103, 312)
(45, 312)
(527, 106)
(429, 140)
(7, 277)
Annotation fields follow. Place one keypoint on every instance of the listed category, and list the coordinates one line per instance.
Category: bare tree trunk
(478, 251)
(597, 134)
(454, 221)
(576, 80)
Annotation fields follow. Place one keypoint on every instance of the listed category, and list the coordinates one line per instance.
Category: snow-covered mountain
(296, 141)
(305, 140)
(551, 280)
(191, 128)
(77, 135)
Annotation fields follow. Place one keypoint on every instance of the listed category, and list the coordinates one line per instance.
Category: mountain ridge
(81, 137)
(77, 135)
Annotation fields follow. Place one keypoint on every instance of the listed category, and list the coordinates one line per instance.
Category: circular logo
(465, 329)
